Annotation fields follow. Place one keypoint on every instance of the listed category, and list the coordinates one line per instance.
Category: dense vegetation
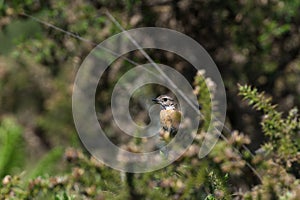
(256, 46)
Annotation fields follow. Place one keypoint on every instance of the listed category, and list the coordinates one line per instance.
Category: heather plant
(279, 155)
(273, 172)
(253, 42)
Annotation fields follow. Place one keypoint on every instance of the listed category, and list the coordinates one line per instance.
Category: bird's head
(166, 102)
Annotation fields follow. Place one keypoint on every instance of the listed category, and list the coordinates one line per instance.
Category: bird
(170, 116)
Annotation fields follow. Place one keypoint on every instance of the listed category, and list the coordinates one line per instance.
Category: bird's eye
(165, 99)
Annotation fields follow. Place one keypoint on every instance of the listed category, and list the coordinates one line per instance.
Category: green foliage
(218, 185)
(63, 196)
(254, 42)
(204, 89)
(187, 178)
(11, 188)
(89, 179)
(17, 32)
(11, 147)
(282, 150)
(47, 163)
(282, 132)
(86, 180)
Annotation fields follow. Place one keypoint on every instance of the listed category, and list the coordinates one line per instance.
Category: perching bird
(170, 117)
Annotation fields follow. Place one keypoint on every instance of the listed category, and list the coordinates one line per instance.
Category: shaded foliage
(254, 42)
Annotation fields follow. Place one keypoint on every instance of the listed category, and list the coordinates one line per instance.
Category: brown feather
(170, 119)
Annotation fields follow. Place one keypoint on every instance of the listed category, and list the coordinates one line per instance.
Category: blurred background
(252, 42)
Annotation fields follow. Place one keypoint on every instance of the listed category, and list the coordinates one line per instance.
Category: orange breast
(170, 119)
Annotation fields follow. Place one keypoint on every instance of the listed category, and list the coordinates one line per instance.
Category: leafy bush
(254, 42)
(12, 156)
(280, 154)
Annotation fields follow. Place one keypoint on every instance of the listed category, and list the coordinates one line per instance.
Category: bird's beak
(155, 100)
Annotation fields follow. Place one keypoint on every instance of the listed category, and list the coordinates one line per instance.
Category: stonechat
(170, 116)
